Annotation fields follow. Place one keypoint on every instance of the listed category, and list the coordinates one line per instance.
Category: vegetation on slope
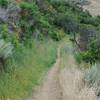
(29, 26)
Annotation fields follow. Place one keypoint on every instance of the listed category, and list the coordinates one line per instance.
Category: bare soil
(93, 7)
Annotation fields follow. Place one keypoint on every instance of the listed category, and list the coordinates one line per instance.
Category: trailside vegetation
(29, 33)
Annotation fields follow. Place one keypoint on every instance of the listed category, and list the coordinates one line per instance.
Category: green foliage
(68, 22)
(88, 19)
(3, 3)
(28, 15)
(93, 52)
(34, 17)
(9, 36)
(56, 34)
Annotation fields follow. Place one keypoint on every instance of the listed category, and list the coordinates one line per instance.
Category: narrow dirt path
(64, 83)
(50, 89)
(93, 7)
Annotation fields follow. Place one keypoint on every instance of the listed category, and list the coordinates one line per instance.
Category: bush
(68, 22)
(32, 15)
(92, 77)
(3, 3)
(9, 36)
(93, 52)
(56, 34)
(87, 19)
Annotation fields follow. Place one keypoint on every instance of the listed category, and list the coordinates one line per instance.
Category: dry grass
(73, 87)
(65, 81)
(71, 79)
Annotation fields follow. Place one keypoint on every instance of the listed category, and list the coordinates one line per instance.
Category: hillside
(37, 34)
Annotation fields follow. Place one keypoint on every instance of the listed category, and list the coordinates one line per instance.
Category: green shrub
(29, 15)
(56, 34)
(8, 36)
(87, 19)
(3, 3)
(92, 54)
(68, 22)
(32, 15)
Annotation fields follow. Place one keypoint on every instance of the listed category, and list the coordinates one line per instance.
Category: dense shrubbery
(93, 52)
(68, 22)
(89, 43)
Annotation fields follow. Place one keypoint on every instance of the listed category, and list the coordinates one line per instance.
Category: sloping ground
(64, 82)
(93, 7)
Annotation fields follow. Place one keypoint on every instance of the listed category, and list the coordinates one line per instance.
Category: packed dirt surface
(50, 90)
(93, 7)
(64, 83)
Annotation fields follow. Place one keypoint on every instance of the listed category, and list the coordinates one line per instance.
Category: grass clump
(92, 77)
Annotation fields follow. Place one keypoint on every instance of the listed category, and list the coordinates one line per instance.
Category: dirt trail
(50, 89)
(64, 83)
(93, 7)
